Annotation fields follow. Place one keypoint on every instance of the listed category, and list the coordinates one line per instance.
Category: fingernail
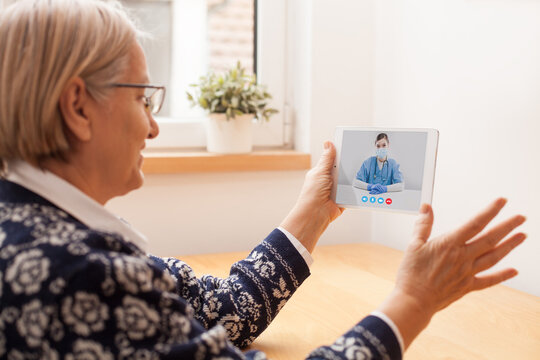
(424, 209)
(326, 145)
(514, 273)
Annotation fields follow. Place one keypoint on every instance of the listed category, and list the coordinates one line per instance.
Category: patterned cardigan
(67, 291)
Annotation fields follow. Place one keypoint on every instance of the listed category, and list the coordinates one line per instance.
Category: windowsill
(177, 162)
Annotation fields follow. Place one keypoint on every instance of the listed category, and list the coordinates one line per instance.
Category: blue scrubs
(370, 173)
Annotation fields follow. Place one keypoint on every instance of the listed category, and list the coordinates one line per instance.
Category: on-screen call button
(380, 200)
(372, 199)
(364, 198)
(388, 201)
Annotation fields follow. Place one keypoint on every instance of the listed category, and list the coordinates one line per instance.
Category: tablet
(383, 168)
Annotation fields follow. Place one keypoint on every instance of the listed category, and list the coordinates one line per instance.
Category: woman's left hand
(435, 273)
(444, 269)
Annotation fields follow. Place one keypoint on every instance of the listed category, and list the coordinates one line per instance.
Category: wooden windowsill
(176, 162)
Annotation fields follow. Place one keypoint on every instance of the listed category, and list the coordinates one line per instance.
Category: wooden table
(349, 281)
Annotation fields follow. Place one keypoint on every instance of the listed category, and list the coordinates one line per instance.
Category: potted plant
(234, 100)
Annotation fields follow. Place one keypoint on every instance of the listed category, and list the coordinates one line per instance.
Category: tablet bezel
(430, 163)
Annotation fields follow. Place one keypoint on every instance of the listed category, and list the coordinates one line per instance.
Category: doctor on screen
(379, 174)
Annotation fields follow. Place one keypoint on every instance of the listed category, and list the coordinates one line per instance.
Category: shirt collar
(72, 200)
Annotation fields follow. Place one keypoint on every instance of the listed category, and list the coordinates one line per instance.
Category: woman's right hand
(433, 274)
(314, 210)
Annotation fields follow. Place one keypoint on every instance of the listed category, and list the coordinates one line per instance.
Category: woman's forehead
(382, 141)
(138, 70)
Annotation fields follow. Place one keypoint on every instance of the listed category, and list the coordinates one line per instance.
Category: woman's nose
(154, 128)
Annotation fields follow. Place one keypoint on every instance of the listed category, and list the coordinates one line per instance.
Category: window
(191, 37)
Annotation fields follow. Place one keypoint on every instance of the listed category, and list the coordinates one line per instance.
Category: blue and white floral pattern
(88, 350)
(136, 318)
(33, 322)
(27, 271)
(84, 313)
(70, 292)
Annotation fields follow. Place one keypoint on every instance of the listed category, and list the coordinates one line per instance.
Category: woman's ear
(73, 102)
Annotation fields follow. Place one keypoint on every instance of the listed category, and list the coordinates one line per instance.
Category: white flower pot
(233, 136)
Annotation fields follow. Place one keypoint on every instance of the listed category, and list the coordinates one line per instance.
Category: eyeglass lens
(156, 100)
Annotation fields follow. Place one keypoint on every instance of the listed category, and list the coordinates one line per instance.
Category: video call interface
(381, 169)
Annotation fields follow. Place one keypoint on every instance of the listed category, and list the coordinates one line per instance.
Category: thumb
(326, 161)
(424, 223)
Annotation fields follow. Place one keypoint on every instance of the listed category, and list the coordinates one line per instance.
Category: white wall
(470, 69)
(207, 213)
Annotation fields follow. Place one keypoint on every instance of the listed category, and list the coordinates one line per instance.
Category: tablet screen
(383, 169)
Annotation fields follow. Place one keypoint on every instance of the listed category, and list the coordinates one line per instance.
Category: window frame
(271, 31)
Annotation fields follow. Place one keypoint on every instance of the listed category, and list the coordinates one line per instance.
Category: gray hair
(44, 44)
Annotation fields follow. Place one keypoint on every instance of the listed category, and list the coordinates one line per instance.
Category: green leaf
(233, 92)
(203, 103)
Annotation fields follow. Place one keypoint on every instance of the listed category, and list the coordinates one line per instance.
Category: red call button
(388, 201)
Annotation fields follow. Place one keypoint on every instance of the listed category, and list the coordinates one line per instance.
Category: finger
(424, 223)
(326, 161)
(337, 212)
(487, 241)
(476, 224)
(489, 259)
(485, 281)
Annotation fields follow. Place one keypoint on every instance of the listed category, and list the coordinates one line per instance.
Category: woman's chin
(139, 181)
(140, 175)
(136, 180)
(134, 183)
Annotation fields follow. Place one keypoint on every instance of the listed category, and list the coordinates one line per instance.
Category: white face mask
(381, 152)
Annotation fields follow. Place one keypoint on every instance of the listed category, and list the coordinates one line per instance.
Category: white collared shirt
(72, 200)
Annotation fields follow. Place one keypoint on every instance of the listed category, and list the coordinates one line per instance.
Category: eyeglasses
(153, 101)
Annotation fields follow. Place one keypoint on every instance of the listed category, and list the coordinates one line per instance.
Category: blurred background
(469, 68)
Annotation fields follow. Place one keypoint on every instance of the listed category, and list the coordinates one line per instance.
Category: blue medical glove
(369, 187)
(378, 189)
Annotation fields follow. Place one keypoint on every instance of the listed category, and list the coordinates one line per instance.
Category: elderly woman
(75, 281)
